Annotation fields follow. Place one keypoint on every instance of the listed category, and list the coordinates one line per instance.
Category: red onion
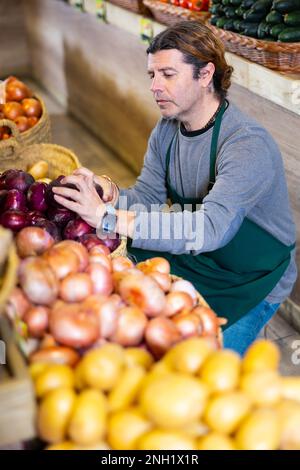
(60, 215)
(14, 220)
(15, 200)
(76, 229)
(19, 180)
(37, 197)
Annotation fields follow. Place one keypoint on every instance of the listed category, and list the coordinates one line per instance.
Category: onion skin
(157, 264)
(75, 287)
(62, 261)
(89, 240)
(107, 311)
(32, 241)
(38, 281)
(60, 215)
(17, 304)
(79, 250)
(19, 180)
(131, 326)
(101, 259)
(15, 200)
(17, 91)
(188, 324)
(76, 228)
(176, 302)
(36, 319)
(101, 279)
(161, 334)
(101, 249)
(121, 263)
(143, 292)
(14, 220)
(209, 320)
(22, 123)
(49, 226)
(32, 107)
(74, 327)
(36, 197)
(163, 280)
(12, 110)
(55, 355)
(181, 285)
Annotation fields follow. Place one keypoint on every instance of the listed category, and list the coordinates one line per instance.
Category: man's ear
(206, 74)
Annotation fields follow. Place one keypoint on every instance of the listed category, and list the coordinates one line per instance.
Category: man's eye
(168, 75)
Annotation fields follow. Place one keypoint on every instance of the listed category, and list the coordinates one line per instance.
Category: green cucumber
(292, 19)
(235, 3)
(230, 12)
(225, 2)
(289, 35)
(285, 6)
(216, 9)
(247, 3)
(250, 29)
(277, 29)
(262, 30)
(274, 17)
(229, 25)
(221, 21)
(237, 25)
(253, 16)
(213, 20)
(262, 6)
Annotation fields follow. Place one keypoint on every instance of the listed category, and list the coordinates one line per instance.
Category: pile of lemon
(195, 398)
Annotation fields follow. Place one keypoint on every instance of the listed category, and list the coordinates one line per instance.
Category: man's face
(174, 89)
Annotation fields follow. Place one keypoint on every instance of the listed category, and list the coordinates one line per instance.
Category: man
(234, 235)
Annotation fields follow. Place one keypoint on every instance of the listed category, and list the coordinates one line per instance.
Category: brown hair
(199, 46)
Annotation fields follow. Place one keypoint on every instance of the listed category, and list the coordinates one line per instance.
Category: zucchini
(292, 19)
(253, 16)
(285, 6)
(225, 2)
(247, 3)
(262, 30)
(221, 21)
(262, 6)
(276, 30)
(214, 19)
(237, 25)
(235, 3)
(216, 9)
(274, 17)
(250, 29)
(230, 12)
(289, 35)
(229, 25)
(240, 11)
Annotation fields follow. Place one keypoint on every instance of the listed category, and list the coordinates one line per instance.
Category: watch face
(109, 223)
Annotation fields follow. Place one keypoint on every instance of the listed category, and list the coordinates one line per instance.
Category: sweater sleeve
(150, 186)
(244, 176)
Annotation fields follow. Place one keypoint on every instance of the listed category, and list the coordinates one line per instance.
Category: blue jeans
(241, 334)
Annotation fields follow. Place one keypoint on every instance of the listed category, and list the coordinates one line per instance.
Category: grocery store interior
(86, 61)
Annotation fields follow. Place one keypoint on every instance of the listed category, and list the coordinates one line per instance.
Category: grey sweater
(250, 182)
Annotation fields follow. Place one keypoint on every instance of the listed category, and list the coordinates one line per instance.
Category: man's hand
(110, 189)
(85, 200)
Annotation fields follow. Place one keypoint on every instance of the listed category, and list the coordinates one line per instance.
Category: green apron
(235, 278)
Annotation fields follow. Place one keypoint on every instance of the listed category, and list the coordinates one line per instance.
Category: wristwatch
(109, 221)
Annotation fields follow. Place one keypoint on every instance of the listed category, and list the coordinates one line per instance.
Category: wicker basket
(136, 6)
(170, 14)
(284, 57)
(41, 132)
(61, 160)
(8, 278)
(121, 250)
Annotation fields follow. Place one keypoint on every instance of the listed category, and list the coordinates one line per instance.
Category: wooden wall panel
(14, 52)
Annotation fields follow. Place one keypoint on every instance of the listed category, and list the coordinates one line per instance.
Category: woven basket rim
(253, 43)
(55, 147)
(121, 250)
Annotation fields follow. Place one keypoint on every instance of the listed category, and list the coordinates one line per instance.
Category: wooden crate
(17, 402)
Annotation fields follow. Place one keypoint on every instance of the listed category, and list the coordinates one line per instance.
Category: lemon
(221, 371)
(54, 376)
(225, 412)
(289, 416)
(165, 440)
(262, 387)
(125, 428)
(101, 368)
(89, 417)
(126, 389)
(261, 355)
(259, 431)
(54, 414)
(189, 355)
(138, 357)
(216, 441)
(290, 388)
(173, 400)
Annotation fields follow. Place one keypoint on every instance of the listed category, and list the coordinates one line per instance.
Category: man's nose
(156, 85)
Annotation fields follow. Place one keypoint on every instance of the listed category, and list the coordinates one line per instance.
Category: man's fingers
(77, 180)
(67, 192)
(83, 172)
(73, 206)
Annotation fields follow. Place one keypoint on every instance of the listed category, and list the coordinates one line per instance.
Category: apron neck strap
(214, 144)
